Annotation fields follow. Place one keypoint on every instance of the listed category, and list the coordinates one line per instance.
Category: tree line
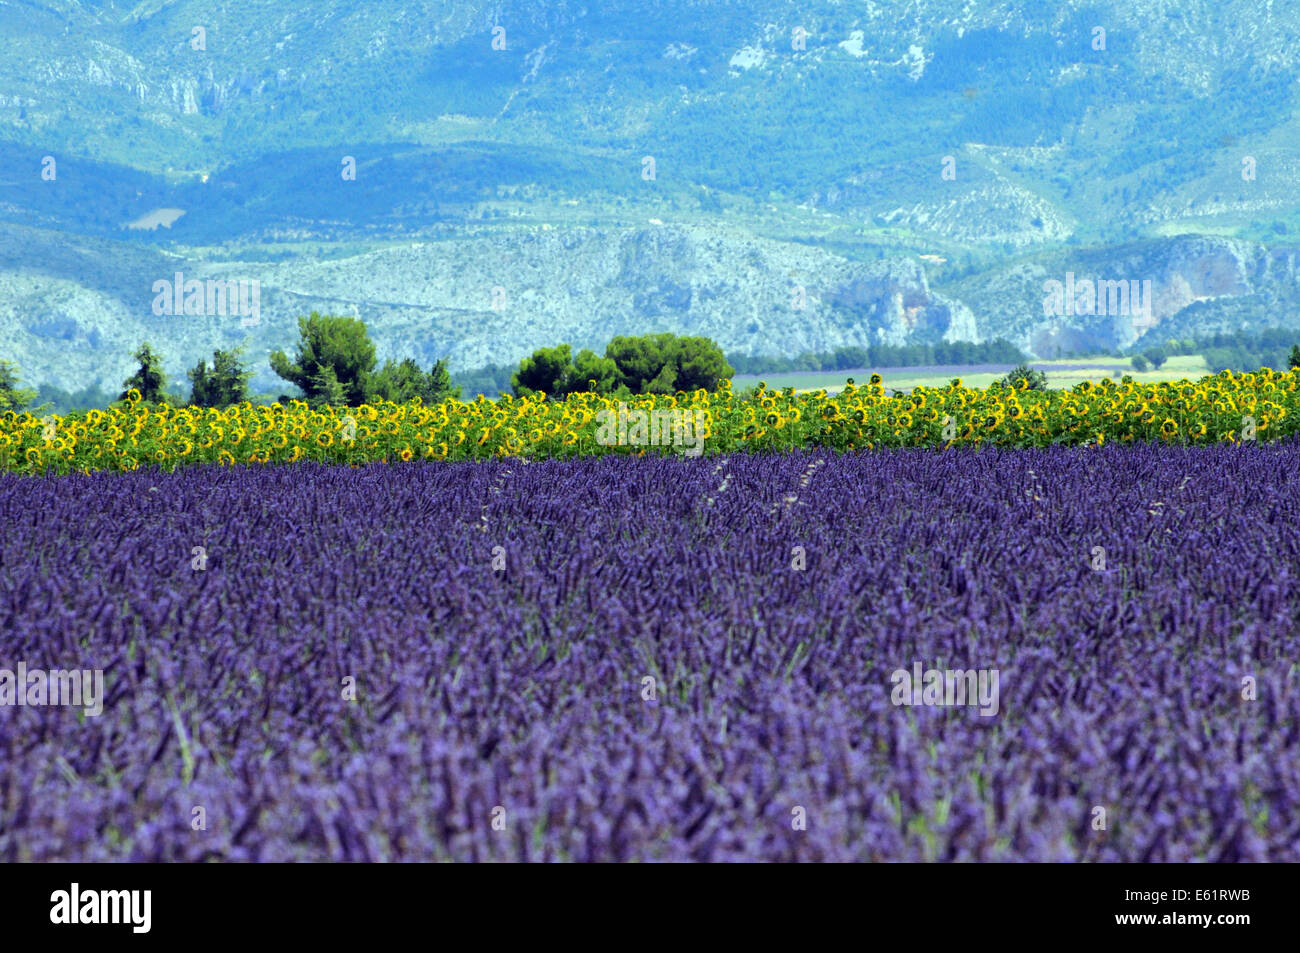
(335, 364)
(1228, 350)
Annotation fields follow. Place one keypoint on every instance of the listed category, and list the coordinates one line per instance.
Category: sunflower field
(1263, 406)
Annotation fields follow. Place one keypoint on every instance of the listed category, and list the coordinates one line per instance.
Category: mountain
(479, 179)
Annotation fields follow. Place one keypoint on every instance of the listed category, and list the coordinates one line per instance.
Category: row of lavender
(661, 659)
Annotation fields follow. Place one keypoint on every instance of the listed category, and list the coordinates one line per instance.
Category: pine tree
(222, 386)
(149, 379)
(12, 397)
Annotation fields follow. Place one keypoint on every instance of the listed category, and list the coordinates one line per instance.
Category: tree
(1033, 380)
(652, 364)
(13, 397)
(553, 371)
(224, 385)
(149, 379)
(335, 358)
(1294, 360)
(595, 374)
(1156, 356)
(850, 357)
(400, 382)
(664, 363)
(1139, 362)
(327, 390)
(548, 370)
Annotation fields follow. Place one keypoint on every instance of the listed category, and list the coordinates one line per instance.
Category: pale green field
(1191, 367)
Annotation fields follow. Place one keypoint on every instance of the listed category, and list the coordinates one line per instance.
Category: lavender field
(662, 659)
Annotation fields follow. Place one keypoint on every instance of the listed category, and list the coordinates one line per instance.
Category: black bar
(335, 903)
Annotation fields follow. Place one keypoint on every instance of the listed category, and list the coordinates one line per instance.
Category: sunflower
(406, 454)
(226, 458)
(1168, 427)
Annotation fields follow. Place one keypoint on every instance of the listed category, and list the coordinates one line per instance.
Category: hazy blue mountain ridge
(798, 199)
